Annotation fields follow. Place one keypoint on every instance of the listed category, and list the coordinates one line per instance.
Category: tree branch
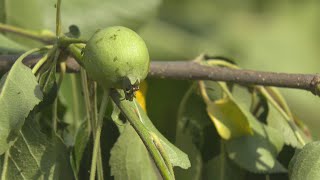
(190, 70)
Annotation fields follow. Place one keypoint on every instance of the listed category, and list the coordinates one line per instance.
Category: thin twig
(190, 70)
(58, 18)
(44, 38)
(91, 108)
(96, 145)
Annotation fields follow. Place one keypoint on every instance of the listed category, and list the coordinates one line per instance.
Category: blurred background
(281, 36)
(274, 35)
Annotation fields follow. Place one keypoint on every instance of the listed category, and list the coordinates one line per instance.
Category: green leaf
(242, 96)
(222, 168)
(278, 122)
(176, 156)
(305, 164)
(185, 143)
(214, 90)
(173, 154)
(48, 85)
(19, 94)
(34, 156)
(3, 80)
(130, 159)
(80, 144)
(257, 153)
(278, 115)
(115, 116)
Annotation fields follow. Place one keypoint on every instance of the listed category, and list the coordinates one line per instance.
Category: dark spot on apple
(113, 37)
(99, 40)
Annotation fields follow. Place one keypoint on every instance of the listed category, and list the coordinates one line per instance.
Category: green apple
(116, 57)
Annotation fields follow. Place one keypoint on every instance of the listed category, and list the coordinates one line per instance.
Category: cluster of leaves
(254, 134)
(35, 143)
(228, 131)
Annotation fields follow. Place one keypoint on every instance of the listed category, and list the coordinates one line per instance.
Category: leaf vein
(16, 165)
(29, 149)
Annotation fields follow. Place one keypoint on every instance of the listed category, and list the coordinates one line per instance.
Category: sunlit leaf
(257, 153)
(130, 159)
(306, 163)
(229, 118)
(19, 94)
(141, 95)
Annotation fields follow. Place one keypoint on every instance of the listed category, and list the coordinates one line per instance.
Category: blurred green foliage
(281, 36)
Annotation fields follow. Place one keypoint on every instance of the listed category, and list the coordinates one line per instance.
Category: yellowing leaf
(228, 118)
(141, 95)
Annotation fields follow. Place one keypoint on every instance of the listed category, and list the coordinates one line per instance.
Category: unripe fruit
(116, 57)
